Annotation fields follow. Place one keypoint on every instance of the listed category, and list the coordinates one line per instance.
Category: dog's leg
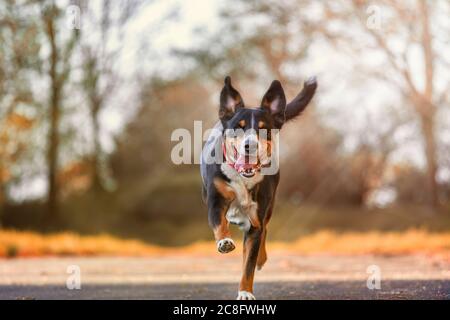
(218, 207)
(262, 254)
(252, 241)
(221, 230)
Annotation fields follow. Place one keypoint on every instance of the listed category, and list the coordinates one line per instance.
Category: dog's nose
(250, 147)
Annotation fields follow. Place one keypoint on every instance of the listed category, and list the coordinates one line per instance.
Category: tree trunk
(2, 201)
(96, 179)
(53, 139)
(426, 108)
(430, 152)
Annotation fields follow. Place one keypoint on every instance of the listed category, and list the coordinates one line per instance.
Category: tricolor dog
(239, 182)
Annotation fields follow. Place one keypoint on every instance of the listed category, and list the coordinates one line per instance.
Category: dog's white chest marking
(235, 215)
(243, 208)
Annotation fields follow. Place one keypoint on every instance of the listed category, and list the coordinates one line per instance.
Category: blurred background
(90, 92)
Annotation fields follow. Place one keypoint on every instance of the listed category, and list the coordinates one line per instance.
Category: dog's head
(248, 131)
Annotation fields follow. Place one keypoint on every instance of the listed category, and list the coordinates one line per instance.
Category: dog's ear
(230, 100)
(275, 102)
(301, 101)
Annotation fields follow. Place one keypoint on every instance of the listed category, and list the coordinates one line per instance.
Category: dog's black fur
(218, 192)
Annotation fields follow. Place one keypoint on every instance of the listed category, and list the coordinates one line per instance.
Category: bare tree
(58, 72)
(99, 77)
(412, 25)
(262, 51)
(19, 60)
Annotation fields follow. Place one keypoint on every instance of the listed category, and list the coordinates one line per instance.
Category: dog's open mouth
(245, 167)
(247, 172)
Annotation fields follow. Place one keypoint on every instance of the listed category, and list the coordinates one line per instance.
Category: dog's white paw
(245, 295)
(225, 245)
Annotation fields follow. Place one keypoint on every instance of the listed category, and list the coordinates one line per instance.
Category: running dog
(235, 187)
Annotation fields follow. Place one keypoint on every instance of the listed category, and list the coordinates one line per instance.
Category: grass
(26, 244)
(375, 242)
(30, 244)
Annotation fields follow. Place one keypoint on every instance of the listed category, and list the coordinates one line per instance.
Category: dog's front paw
(245, 295)
(225, 245)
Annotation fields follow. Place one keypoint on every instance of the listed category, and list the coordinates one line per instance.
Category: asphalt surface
(216, 277)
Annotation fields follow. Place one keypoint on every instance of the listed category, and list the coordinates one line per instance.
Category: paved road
(216, 277)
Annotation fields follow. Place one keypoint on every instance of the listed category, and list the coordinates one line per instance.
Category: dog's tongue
(243, 163)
